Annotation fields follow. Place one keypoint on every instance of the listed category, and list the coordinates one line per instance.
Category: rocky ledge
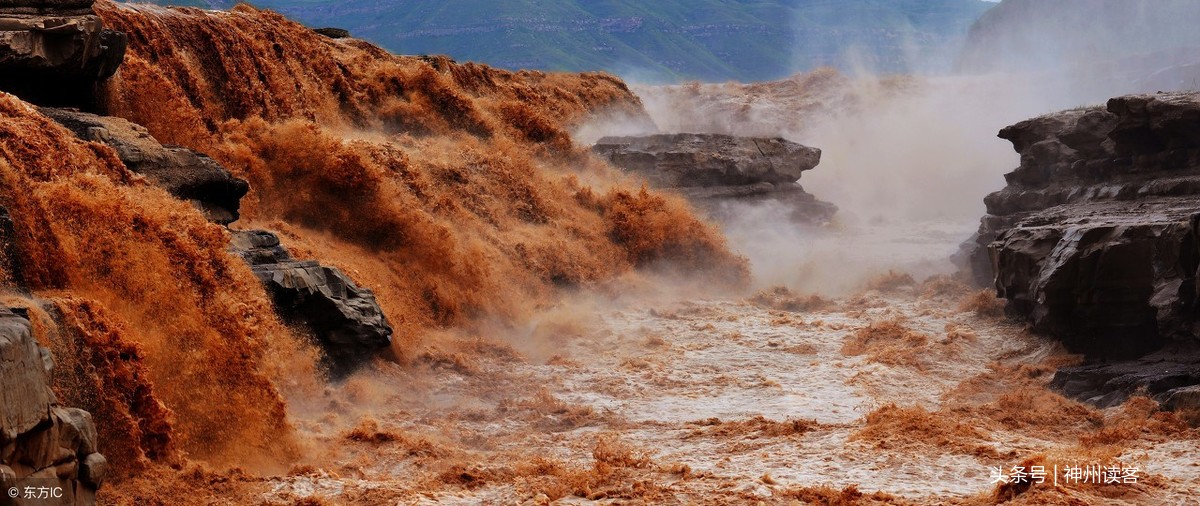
(712, 168)
(344, 318)
(186, 174)
(47, 452)
(52, 52)
(1094, 241)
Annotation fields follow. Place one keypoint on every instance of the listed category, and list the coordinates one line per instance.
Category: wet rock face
(345, 318)
(1109, 280)
(713, 167)
(1094, 238)
(1094, 241)
(41, 443)
(1170, 376)
(1184, 398)
(53, 52)
(184, 173)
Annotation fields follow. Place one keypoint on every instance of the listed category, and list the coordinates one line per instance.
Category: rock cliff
(47, 452)
(54, 51)
(1093, 241)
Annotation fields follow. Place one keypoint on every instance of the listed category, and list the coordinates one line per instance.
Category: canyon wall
(1094, 240)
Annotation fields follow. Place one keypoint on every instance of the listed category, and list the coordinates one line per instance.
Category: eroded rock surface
(713, 167)
(345, 318)
(186, 174)
(52, 52)
(1171, 376)
(41, 443)
(1093, 241)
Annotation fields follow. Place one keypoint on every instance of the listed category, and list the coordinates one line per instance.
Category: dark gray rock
(722, 202)
(1108, 279)
(345, 319)
(710, 169)
(184, 173)
(1094, 241)
(333, 33)
(692, 160)
(1166, 375)
(1184, 398)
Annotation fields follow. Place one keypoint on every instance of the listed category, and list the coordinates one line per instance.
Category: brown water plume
(99, 370)
(453, 190)
(160, 290)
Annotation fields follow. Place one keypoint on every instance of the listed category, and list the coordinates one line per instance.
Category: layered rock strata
(711, 168)
(47, 452)
(1094, 240)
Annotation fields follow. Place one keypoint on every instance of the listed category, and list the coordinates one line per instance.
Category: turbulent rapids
(275, 267)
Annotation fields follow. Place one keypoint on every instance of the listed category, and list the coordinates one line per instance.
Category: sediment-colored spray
(452, 190)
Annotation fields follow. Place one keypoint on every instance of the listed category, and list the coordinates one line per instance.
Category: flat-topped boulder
(691, 160)
(714, 167)
(1094, 239)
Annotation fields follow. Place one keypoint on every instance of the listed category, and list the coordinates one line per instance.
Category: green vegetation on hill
(662, 40)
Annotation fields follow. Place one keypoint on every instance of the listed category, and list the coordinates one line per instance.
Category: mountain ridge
(671, 41)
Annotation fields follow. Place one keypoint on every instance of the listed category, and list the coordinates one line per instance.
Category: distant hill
(655, 41)
(1097, 48)
(1040, 34)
